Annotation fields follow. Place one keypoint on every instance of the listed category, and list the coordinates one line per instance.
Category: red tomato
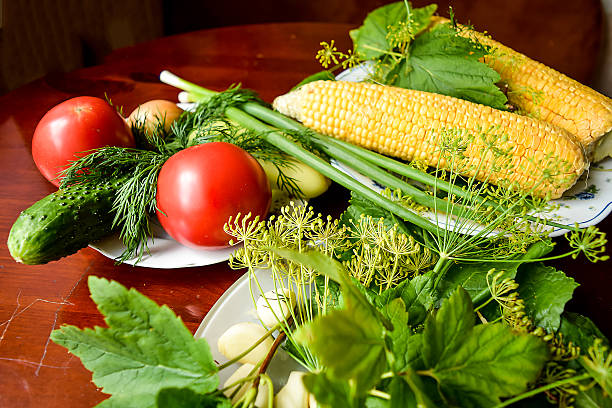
(200, 188)
(74, 126)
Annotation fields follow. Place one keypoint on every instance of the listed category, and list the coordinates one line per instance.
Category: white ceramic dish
(236, 306)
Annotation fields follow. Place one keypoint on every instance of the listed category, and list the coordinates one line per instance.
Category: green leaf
(580, 330)
(349, 343)
(443, 62)
(476, 366)
(419, 388)
(370, 40)
(187, 398)
(545, 291)
(472, 276)
(128, 401)
(354, 296)
(423, 286)
(333, 297)
(446, 330)
(405, 345)
(407, 293)
(329, 391)
(593, 398)
(401, 394)
(492, 362)
(145, 348)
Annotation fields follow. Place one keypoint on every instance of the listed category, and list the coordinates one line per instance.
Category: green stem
(379, 394)
(238, 382)
(388, 180)
(543, 388)
(281, 121)
(440, 268)
(483, 304)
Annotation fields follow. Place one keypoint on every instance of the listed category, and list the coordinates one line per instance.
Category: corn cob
(541, 158)
(542, 92)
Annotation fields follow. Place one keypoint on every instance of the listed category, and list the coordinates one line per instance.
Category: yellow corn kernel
(466, 141)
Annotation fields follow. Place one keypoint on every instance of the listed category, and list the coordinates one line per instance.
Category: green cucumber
(62, 223)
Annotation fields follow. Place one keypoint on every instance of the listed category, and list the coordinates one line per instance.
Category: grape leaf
(445, 63)
(545, 291)
(145, 348)
(370, 40)
(580, 330)
(477, 365)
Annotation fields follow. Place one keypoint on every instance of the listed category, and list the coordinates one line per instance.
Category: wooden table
(36, 299)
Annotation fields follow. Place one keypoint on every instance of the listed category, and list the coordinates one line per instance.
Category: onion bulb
(154, 112)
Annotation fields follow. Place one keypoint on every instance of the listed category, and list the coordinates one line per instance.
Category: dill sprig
(134, 200)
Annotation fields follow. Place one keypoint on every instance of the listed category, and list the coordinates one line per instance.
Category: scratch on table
(8, 322)
(19, 310)
(65, 300)
(32, 363)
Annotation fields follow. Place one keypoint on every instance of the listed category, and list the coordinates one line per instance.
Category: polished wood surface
(34, 300)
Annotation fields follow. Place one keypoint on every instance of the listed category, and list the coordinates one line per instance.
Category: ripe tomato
(74, 126)
(201, 187)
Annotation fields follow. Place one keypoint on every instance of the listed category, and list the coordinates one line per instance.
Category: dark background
(39, 37)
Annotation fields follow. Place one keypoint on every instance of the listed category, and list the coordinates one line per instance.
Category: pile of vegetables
(431, 294)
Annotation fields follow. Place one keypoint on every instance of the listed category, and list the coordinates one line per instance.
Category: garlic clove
(312, 401)
(240, 337)
(244, 371)
(293, 394)
(273, 308)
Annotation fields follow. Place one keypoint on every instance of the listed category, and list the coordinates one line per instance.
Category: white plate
(236, 306)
